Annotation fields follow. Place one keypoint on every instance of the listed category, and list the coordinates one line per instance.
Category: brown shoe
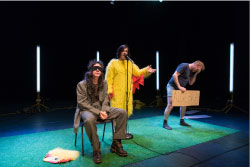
(117, 148)
(97, 158)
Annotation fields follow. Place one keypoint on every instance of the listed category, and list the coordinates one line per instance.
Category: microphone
(128, 58)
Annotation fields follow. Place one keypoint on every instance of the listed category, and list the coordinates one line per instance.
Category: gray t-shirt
(185, 74)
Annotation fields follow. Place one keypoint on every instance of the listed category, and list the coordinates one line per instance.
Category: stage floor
(229, 149)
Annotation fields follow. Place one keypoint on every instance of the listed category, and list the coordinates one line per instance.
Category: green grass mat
(29, 150)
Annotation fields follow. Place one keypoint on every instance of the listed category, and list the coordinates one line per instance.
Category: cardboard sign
(187, 98)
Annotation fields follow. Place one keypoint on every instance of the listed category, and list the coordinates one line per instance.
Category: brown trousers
(89, 119)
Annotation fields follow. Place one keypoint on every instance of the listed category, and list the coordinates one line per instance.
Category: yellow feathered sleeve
(109, 77)
(137, 72)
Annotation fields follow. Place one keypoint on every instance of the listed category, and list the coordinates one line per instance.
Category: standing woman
(92, 104)
(116, 76)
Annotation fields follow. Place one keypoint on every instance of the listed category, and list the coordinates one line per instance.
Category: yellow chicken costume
(116, 77)
(59, 155)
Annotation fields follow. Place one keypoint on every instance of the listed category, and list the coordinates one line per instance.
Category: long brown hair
(88, 77)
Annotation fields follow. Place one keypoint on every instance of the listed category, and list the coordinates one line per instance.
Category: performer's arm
(105, 105)
(110, 77)
(176, 80)
(147, 71)
(193, 78)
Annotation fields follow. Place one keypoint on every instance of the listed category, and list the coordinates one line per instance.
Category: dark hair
(120, 49)
(88, 77)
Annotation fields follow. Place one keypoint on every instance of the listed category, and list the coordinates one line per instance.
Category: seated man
(92, 104)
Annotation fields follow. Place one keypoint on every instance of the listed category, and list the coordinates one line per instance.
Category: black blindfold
(97, 67)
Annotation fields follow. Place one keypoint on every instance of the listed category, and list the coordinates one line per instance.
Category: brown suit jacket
(84, 102)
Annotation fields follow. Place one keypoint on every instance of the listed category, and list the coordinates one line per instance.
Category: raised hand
(198, 71)
(150, 69)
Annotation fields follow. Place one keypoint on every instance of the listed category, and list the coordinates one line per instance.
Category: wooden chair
(99, 121)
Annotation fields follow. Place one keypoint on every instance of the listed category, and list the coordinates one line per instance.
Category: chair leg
(75, 139)
(112, 129)
(103, 131)
(82, 143)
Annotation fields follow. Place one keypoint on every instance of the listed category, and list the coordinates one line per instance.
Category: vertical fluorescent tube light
(38, 68)
(157, 70)
(231, 84)
(97, 56)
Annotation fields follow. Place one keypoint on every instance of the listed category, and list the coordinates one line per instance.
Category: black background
(70, 33)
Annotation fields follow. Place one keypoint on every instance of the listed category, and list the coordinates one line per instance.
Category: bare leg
(167, 111)
(182, 115)
(169, 108)
(183, 111)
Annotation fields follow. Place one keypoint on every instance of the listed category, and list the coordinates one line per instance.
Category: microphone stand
(128, 135)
